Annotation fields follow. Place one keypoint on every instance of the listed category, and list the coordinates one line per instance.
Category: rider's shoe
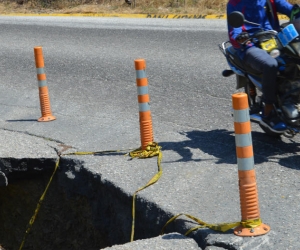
(273, 123)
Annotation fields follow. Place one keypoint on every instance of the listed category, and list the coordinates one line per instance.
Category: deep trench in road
(65, 219)
(79, 210)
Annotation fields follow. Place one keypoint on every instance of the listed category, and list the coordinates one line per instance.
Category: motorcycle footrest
(227, 72)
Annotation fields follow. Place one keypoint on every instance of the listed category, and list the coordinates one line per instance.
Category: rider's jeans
(261, 61)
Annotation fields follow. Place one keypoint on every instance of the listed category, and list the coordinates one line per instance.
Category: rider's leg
(262, 62)
(268, 109)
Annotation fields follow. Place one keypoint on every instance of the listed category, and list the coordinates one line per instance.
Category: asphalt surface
(89, 64)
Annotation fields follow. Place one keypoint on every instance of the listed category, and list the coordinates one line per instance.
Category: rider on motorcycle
(263, 12)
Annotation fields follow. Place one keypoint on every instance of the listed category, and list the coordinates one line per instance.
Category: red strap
(275, 21)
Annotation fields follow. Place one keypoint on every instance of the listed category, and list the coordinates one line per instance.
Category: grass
(204, 7)
(114, 6)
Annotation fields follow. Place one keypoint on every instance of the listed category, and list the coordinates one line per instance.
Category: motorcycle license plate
(269, 45)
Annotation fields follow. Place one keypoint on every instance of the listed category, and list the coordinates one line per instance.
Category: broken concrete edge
(119, 210)
(167, 241)
(3, 179)
(14, 169)
(110, 213)
(111, 206)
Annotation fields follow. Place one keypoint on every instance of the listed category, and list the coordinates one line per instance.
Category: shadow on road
(22, 120)
(220, 143)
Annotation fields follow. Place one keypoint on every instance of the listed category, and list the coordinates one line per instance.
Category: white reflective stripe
(140, 74)
(40, 70)
(42, 83)
(245, 163)
(241, 115)
(243, 140)
(142, 90)
(144, 107)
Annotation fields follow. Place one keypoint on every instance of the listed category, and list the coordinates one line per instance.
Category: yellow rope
(38, 206)
(151, 150)
(98, 152)
(223, 227)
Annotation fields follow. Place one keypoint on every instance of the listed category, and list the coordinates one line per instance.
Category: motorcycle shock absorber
(252, 93)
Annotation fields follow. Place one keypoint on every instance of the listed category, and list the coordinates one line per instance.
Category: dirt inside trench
(63, 222)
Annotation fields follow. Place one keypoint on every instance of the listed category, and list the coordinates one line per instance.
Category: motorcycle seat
(236, 61)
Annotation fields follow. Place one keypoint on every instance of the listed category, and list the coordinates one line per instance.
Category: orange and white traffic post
(251, 224)
(146, 130)
(43, 89)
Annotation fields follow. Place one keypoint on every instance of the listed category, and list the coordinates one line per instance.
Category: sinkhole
(79, 210)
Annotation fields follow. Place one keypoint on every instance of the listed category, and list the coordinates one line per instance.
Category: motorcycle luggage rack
(234, 60)
(223, 47)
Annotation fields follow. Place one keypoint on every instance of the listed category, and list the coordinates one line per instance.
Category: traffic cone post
(251, 224)
(146, 130)
(43, 89)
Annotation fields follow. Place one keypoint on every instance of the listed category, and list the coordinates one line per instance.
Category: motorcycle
(283, 45)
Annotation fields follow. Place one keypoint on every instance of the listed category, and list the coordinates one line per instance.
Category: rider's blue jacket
(256, 11)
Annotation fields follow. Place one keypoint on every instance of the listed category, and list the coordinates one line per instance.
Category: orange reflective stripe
(242, 127)
(244, 152)
(41, 77)
(142, 82)
(143, 98)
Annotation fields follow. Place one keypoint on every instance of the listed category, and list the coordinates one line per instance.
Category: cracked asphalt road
(91, 80)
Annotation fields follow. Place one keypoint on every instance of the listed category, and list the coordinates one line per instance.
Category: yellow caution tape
(223, 227)
(47, 187)
(81, 153)
(98, 152)
(251, 223)
(38, 205)
(151, 150)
